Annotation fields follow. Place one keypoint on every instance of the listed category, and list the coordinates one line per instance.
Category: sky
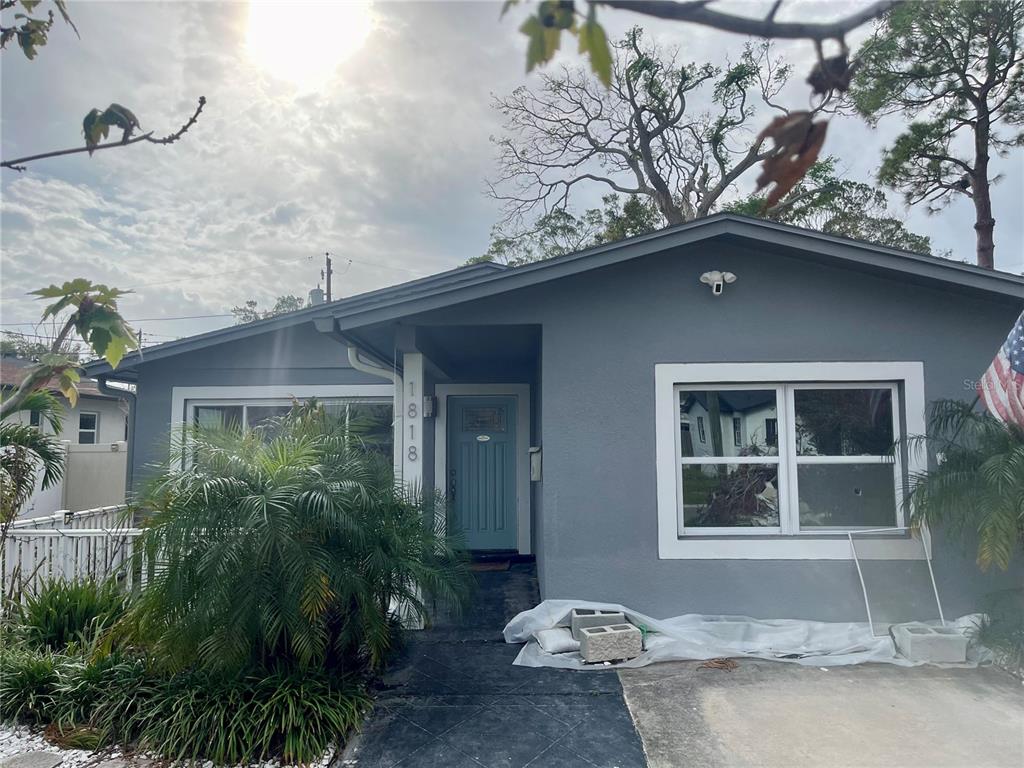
(362, 129)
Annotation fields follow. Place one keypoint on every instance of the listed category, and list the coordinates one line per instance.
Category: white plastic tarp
(694, 636)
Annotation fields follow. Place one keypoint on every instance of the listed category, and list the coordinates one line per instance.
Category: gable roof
(483, 280)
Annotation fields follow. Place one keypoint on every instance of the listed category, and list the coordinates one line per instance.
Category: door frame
(521, 392)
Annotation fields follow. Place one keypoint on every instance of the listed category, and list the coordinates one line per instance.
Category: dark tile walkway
(455, 699)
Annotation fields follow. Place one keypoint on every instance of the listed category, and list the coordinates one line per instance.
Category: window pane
(729, 422)
(87, 421)
(260, 415)
(730, 495)
(843, 422)
(847, 495)
(483, 419)
(373, 423)
(218, 416)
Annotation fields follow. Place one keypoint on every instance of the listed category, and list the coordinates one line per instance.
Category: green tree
(250, 311)
(977, 487)
(826, 202)
(560, 231)
(954, 67)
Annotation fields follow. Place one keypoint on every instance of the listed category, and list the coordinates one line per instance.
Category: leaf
(831, 74)
(506, 6)
(594, 42)
(67, 383)
(30, 5)
(27, 42)
(798, 141)
(122, 117)
(115, 350)
(94, 128)
(99, 339)
(543, 43)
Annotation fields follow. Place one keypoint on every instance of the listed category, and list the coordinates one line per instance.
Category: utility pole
(326, 274)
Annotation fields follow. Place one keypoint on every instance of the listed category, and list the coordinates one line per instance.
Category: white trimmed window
(88, 427)
(790, 465)
(372, 417)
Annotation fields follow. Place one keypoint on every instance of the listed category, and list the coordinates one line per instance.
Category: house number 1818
(412, 412)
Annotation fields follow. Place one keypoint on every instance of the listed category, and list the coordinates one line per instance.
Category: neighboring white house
(95, 434)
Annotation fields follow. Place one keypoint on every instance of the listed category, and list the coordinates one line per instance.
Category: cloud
(384, 167)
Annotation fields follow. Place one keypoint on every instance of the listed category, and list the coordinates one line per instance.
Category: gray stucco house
(650, 441)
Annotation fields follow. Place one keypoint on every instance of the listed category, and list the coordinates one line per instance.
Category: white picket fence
(98, 518)
(96, 543)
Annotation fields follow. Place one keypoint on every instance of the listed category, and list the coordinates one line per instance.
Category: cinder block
(924, 643)
(618, 641)
(589, 617)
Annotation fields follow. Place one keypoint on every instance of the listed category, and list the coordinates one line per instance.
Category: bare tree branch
(638, 137)
(697, 12)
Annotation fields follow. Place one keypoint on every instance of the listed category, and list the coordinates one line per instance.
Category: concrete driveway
(769, 714)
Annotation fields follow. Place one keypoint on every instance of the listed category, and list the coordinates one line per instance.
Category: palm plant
(978, 483)
(290, 547)
(24, 450)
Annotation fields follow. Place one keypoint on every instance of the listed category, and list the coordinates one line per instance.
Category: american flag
(1001, 389)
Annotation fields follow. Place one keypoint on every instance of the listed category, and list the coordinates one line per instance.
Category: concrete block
(36, 759)
(589, 617)
(611, 643)
(922, 642)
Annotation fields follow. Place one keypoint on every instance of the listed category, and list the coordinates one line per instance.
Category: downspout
(126, 394)
(399, 399)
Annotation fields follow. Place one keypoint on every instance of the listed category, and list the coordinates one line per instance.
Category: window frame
(795, 460)
(907, 380)
(183, 397)
(683, 461)
(246, 403)
(95, 431)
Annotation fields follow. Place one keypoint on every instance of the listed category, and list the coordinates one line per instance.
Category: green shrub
(286, 548)
(83, 684)
(63, 612)
(978, 488)
(198, 716)
(27, 681)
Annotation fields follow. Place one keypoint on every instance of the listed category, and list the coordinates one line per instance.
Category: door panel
(482, 470)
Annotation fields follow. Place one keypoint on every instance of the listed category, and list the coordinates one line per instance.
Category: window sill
(802, 547)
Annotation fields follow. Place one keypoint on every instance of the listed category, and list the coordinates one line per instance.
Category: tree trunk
(984, 224)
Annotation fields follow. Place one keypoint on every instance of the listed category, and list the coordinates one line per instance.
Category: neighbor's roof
(479, 281)
(12, 371)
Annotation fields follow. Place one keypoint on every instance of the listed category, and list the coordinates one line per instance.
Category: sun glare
(305, 42)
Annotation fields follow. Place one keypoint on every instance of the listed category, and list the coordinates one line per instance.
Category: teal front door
(482, 470)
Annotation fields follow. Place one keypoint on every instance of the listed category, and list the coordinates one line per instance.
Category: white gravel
(18, 740)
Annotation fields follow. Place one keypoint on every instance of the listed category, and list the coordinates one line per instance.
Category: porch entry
(481, 464)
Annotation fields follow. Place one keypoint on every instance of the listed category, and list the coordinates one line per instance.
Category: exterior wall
(82, 488)
(603, 333)
(111, 419)
(298, 356)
